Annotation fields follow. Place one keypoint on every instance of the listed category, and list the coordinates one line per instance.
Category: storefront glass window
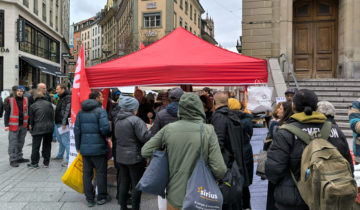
(1, 28)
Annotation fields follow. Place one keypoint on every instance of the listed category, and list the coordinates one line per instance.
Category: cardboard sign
(72, 153)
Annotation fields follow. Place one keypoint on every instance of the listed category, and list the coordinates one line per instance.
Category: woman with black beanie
(286, 150)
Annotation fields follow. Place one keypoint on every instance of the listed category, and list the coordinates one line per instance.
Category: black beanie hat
(305, 101)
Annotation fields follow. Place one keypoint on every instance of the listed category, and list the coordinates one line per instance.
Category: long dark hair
(288, 111)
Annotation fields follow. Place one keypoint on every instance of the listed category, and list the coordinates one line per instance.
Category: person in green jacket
(182, 140)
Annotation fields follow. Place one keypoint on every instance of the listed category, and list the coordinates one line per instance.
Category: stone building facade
(32, 39)
(319, 37)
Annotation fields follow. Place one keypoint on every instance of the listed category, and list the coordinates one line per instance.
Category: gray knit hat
(326, 108)
(175, 94)
(128, 103)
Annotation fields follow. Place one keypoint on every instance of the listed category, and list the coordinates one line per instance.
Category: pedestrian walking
(286, 150)
(131, 133)
(228, 129)
(41, 127)
(91, 129)
(16, 122)
(62, 114)
(182, 143)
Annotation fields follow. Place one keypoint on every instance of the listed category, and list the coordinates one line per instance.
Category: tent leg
(186, 88)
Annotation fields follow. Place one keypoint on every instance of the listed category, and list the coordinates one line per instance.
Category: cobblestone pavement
(40, 189)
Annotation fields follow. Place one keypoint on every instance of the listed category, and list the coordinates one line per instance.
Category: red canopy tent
(179, 58)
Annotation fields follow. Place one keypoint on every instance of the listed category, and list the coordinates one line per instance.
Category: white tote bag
(259, 99)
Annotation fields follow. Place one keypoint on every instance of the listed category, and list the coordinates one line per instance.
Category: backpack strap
(326, 130)
(302, 135)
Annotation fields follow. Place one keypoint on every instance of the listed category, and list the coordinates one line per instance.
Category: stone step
(329, 80)
(348, 133)
(341, 111)
(342, 105)
(347, 100)
(341, 94)
(326, 84)
(343, 126)
(336, 89)
(339, 118)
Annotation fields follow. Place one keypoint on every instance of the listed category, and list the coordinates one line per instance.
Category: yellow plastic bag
(73, 176)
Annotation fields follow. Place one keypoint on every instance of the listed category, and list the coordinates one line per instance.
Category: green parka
(182, 140)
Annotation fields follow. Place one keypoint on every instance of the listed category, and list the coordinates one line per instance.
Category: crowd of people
(139, 125)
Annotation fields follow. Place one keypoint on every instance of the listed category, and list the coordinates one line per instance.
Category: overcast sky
(227, 17)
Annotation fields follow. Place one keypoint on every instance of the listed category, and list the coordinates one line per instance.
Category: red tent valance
(179, 58)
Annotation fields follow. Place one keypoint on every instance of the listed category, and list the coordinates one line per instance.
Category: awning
(44, 67)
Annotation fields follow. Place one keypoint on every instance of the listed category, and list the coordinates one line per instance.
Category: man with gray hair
(230, 136)
(42, 88)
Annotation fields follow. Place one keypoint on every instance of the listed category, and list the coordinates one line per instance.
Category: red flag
(142, 46)
(80, 90)
(105, 92)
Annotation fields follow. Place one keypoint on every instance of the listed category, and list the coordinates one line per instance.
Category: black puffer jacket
(285, 153)
(246, 124)
(131, 134)
(227, 126)
(165, 117)
(63, 109)
(41, 117)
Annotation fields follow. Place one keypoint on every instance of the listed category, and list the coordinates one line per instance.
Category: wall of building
(189, 21)
(148, 35)
(95, 53)
(12, 11)
(349, 39)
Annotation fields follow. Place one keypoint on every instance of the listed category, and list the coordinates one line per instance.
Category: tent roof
(179, 58)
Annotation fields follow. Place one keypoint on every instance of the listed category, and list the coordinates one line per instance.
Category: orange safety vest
(14, 114)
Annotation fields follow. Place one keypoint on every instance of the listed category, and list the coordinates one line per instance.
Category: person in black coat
(41, 126)
(285, 152)
(131, 133)
(91, 129)
(169, 114)
(228, 129)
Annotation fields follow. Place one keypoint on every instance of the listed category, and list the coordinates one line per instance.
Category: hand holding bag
(202, 192)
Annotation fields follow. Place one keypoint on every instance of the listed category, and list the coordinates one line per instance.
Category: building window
(56, 23)
(186, 25)
(190, 29)
(191, 12)
(181, 4)
(186, 6)
(181, 22)
(99, 53)
(44, 11)
(36, 7)
(88, 35)
(152, 20)
(93, 31)
(26, 3)
(175, 1)
(51, 18)
(40, 44)
(98, 40)
(2, 28)
(93, 43)
(199, 21)
(195, 16)
(175, 20)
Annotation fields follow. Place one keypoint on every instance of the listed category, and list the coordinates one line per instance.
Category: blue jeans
(54, 133)
(64, 143)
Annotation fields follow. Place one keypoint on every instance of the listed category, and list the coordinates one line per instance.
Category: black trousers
(46, 148)
(130, 174)
(99, 163)
(246, 204)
